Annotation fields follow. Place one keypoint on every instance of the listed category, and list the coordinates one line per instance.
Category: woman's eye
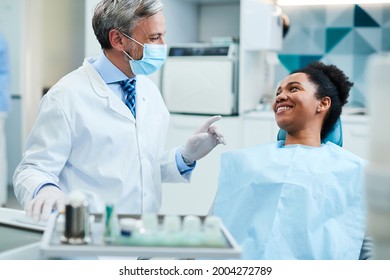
(293, 89)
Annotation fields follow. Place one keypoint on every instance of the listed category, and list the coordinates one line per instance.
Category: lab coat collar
(108, 71)
(111, 74)
(102, 90)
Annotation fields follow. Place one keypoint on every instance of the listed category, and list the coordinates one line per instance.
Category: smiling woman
(296, 103)
(298, 198)
(309, 102)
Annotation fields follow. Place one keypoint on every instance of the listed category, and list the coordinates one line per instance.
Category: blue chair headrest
(335, 135)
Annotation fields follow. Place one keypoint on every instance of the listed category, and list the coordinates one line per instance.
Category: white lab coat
(85, 138)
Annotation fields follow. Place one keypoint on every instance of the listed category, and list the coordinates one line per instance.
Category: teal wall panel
(344, 35)
(335, 35)
(363, 19)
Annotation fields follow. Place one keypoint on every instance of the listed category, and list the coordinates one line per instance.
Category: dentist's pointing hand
(203, 141)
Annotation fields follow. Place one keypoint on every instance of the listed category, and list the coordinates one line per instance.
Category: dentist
(101, 129)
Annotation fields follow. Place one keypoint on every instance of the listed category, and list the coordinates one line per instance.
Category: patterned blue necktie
(129, 90)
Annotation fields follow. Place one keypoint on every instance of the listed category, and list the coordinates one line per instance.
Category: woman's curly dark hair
(331, 82)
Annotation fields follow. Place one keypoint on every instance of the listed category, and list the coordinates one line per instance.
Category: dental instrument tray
(146, 236)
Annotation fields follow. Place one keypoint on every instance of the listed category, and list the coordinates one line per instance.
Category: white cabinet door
(259, 128)
(197, 196)
(356, 137)
(260, 131)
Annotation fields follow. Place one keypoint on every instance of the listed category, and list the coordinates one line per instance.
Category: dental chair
(335, 135)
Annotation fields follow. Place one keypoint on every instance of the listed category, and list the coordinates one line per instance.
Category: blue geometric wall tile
(316, 43)
(372, 36)
(346, 37)
(340, 16)
(357, 96)
(313, 17)
(360, 92)
(307, 59)
(302, 39)
(360, 45)
(344, 61)
(334, 35)
(359, 67)
(375, 11)
(291, 44)
(386, 39)
(385, 17)
(290, 62)
(319, 39)
(294, 62)
(363, 19)
(280, 73)
(353, 66)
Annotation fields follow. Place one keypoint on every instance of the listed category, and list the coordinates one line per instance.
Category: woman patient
(298, 198)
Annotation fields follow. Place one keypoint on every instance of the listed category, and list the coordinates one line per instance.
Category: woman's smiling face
(296, 102)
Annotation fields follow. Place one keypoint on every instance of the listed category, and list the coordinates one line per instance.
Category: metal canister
(77, 227)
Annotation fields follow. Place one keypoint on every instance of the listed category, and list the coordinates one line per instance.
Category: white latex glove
(47, 199)
(203, 141)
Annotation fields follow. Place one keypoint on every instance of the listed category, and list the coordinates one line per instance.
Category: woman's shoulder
(344, 153)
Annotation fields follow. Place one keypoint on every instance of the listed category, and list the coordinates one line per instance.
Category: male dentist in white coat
(101, 129)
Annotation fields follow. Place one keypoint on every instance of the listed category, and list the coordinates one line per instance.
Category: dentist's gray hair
(122, 15)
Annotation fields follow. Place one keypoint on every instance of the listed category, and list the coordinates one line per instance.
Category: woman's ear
(116, 39)
(324, 104)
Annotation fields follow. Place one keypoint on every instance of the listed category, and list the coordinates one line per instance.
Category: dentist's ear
(115, 38)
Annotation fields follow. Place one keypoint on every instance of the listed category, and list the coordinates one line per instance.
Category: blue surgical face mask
(153, 58)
